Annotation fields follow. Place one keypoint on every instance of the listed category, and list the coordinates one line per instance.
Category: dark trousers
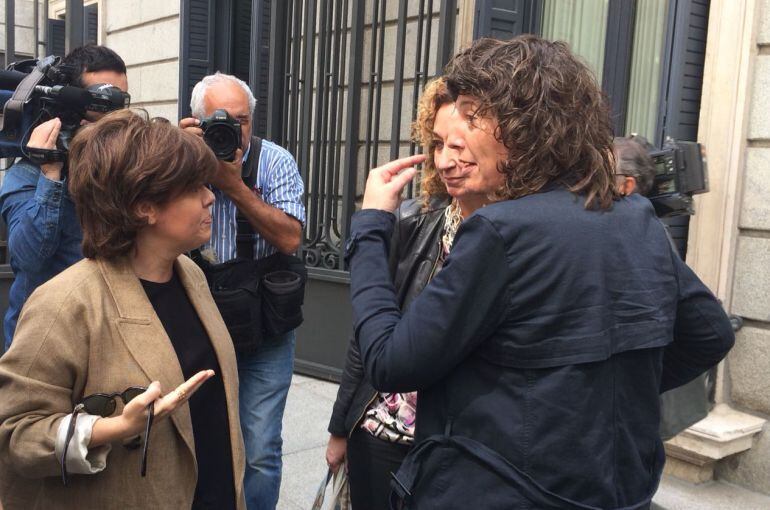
(370, 462)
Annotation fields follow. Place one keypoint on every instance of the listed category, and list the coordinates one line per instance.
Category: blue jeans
(265, 377)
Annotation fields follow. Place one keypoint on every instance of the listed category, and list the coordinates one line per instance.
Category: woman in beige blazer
(134, 313)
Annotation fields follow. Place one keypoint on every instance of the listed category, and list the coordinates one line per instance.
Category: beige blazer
(92, 329)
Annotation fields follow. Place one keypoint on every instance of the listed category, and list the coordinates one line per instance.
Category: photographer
(275, 213)
(44, 235)
(635, 170)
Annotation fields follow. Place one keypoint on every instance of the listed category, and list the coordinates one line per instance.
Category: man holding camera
(271, 202)
(43, 231)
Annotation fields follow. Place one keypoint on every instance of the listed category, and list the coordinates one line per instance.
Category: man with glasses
(635, 169)
(275, 212)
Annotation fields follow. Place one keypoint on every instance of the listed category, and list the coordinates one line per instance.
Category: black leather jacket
(414, 252)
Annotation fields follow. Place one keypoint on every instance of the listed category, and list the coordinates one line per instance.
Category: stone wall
(146, 34)
(25, 37)
(749, 362)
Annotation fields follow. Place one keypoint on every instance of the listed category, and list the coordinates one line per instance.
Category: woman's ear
(148, 212)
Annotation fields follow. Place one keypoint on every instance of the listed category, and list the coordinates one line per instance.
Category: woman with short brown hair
(89, 417)
(539, 350)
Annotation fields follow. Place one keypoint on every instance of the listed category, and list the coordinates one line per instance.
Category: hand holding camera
(44, 137)
(222, 133)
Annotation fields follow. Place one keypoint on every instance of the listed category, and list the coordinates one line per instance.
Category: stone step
(676, 494)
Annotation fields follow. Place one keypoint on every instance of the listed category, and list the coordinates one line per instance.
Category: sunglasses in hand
(104, 405)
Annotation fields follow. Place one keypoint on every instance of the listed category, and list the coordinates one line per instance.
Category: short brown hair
(125, 159)
(552, 116)
(435, 95)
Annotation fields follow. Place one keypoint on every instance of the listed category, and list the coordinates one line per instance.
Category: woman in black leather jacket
(375, 430)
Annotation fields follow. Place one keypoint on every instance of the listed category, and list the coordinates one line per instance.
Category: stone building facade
(730, 236)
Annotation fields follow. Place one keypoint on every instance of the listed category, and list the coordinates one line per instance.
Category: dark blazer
(414, 251)
(539, 350)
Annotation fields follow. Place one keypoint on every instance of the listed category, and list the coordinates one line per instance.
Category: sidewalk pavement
(309, 407)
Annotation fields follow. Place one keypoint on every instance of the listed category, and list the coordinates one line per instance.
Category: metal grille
(346, 78)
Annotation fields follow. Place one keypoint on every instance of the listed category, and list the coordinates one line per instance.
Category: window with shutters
(221, 39)
(54, 44)
(648, 54)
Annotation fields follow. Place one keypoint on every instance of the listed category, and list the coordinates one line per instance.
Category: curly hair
(434, 96)
(551, 115)
(125, 159)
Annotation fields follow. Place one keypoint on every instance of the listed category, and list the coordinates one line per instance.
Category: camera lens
(223, 140)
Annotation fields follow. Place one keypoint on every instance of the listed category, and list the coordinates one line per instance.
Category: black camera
(680, 173)
(34, 91)
(222, 134)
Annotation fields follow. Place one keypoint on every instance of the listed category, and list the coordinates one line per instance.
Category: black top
(208, 406)
(546, 338)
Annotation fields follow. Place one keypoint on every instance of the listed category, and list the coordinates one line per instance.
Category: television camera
(34, 91)
(680, 173)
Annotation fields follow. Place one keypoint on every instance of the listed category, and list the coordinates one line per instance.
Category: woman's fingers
(182, 393)
(151, 395)
(405, 177)
(393, 168)
(385, 183)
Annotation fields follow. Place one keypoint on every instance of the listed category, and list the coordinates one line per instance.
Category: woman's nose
(445, 158)
(208, 198)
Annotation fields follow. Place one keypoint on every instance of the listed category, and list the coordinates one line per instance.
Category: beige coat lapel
(198, 292)
(144, 336)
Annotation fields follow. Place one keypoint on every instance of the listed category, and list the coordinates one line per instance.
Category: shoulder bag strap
(244, 239)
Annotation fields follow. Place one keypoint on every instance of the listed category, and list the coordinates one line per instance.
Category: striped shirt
(278, 183)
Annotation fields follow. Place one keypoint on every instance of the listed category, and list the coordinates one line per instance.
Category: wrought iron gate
(328, 72)
(345, 78)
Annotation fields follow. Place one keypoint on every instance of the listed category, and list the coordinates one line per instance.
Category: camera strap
(244, 238)
(12, 110)
(42, 156)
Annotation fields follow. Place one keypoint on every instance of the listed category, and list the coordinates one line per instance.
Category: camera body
(34, 91)
(222, 133)
(680, 172)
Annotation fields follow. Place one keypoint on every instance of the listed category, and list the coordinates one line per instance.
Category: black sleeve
(353, 373)
(459, 309)
(703, 334)
(352, 376)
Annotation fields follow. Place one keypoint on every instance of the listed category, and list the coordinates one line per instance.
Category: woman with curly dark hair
(561, 312)
(374, 430)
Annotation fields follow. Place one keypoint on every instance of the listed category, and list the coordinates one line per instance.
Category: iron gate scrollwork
(331, 116)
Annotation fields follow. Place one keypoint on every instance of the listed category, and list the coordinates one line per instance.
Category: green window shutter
(683, 69)
(682, 85)
(197, 55)
(55, 37)
(503, 19)
(262, 69)
(91, 24)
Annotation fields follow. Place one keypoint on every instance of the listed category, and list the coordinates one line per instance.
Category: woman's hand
(132, 420)
(44, 136)
(336, 451)
(385, 183)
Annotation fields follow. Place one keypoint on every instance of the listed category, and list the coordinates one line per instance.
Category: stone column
(729, 244)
